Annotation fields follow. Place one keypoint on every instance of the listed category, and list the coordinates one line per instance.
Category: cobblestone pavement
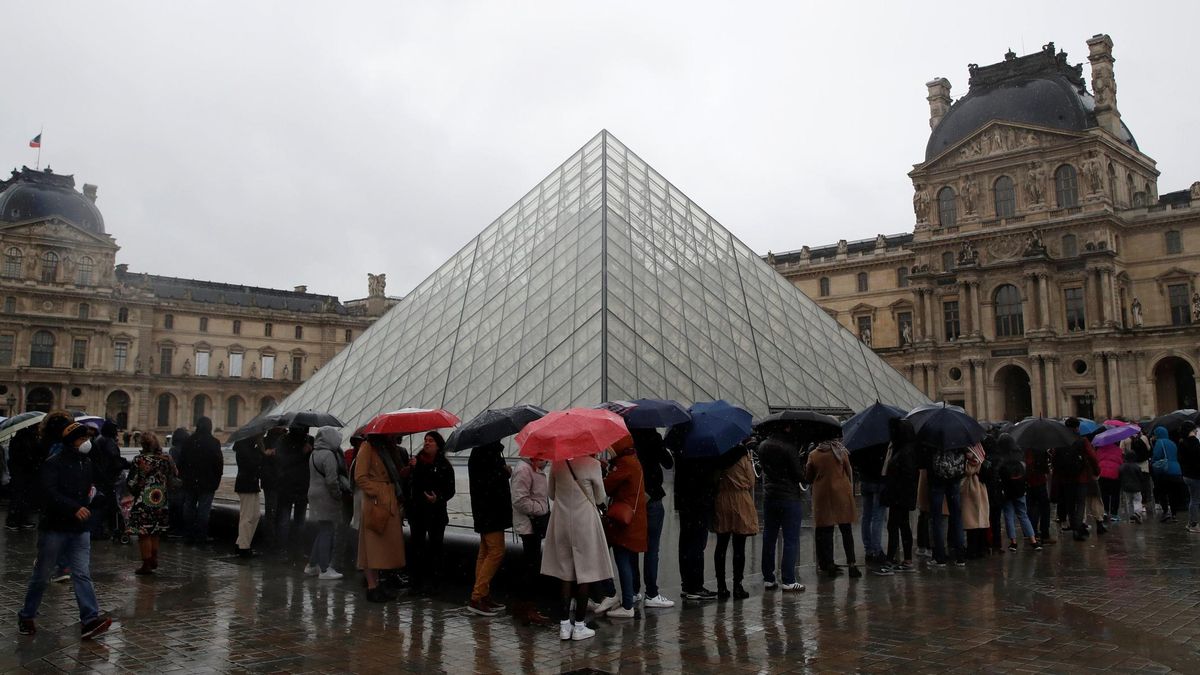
(1127, 602)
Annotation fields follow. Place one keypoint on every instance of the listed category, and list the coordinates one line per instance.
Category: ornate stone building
(78, 331)
(1044, 274)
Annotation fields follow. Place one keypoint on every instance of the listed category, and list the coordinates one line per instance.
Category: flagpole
(39, 158)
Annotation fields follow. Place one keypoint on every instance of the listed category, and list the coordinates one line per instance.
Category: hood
(1161, 432)
(179, 437)
(328, 438)
(109, 429)
(1006, 446)
(203, 427)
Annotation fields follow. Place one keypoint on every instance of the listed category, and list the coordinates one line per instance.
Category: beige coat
(378, 551)
(576, 549)
(735, 512)
(832, 493)
(976, 509)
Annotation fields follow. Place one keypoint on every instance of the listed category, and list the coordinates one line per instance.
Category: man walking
(68, 486)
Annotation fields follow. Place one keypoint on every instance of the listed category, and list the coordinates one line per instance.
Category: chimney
(123, 268)
(939, 100)
(89, 191)
(1104, 84)
(301, 289)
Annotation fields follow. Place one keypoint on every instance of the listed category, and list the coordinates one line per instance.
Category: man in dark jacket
(201, 470)
(68, 485)
(25, 458)
(291, 486)
(491, 509)
(868, 462)
(1078, 465)
(653, 455)
(249, 455)
(108, 464)
(695, 499)
(782, 468)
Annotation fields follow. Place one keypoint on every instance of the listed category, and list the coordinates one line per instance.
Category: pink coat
(1110, 457)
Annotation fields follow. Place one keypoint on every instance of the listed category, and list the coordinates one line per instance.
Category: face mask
(85, 447)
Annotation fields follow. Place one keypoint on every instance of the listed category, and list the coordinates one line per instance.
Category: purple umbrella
(1114, 436)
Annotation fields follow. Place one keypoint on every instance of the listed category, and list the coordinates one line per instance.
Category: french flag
(36, 142)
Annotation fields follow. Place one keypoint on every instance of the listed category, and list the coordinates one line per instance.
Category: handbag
(375, 517)
(620, 514)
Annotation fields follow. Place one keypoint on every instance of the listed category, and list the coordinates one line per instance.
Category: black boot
(722, 590)
(739, 593)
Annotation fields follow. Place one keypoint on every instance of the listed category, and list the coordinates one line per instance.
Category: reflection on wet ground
(1128, 601)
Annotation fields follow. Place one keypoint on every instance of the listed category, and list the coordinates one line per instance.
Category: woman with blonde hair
(150, 476)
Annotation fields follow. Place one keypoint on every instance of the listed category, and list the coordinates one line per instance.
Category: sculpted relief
(996, 141)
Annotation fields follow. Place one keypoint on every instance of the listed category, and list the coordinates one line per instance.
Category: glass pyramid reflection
(604, 282)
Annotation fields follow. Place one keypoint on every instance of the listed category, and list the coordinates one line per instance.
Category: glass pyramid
(604, 282)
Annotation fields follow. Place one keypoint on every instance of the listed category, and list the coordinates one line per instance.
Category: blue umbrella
(945, 426)
(655, 414)
(716, 428)
(1087, 426)
(870, 426)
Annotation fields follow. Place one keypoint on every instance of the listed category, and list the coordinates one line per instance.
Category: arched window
(1070, 246)
(41, 350)
(1112, 182)
(164, 410)
(1066, 188)
(947, 207)
(823, 287)
(12, 262)
(862, 282)
(83, 274)
(265, 404)
(232, 408)
(199, 408)
(84, 310)
(1006, 197)
(1129, 189)
(1174, 241)
(902, 277)
(948, 261)
(168, 321)
(49, 267)
(123, 315)
(1009, 318)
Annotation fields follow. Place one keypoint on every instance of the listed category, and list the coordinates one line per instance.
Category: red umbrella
(410, 421)
(566, 434)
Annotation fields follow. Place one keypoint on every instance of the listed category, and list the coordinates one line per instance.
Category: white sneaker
(580, 631)
(592, 605)
(924, 553)
(330, 575)
(311, 570)
(611, 602)
(794, 588)
(564, 630)
(638, 597)
(659, 602)
(770, 585)
(620, 613)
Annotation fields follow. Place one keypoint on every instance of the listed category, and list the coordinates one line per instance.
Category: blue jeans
(945, 492)
(627, 571)
(197, 506)
(76, 549)
(1014, 510)
(655, 514)
(874, 516)
(1193, 486)
(322, 548)
(786, 515)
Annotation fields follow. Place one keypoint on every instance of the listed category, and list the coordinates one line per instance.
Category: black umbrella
(809, 425)
(490, 426)
(655, 414)
(259, 426)
(311, 418)
(1171, 421)
(870, 426)
(945, 426)
(1040, 433)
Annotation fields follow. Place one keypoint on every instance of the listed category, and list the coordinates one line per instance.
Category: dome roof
(1039, 89)
(30, 194)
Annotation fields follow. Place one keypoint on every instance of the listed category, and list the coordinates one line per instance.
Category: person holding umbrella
(530, 490)
(491, 510)
(431, 490)
(829, 472)
(900, 476)
(292, 479)
(201, 471)
(626, 521)
(654, 457)
(783, 471)
(735, 518)
(1189, 465)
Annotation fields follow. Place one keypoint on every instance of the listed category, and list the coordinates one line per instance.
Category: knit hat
(73, 431)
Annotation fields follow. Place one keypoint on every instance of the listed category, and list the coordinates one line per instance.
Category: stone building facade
(78, 331)
(1044, 274)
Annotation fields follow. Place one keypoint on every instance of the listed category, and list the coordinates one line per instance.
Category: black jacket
(1189, 457)
(696, 486)
(868, 462)
(436, 477)
(653, 455)
(249, 458)
(25, 455)
(782, 467)
(66, 480)
(203, 464)
(491, 500)
(900, 483)
(107, 461)
(291, 466)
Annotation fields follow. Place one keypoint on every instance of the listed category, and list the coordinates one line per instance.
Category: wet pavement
(1126, 602)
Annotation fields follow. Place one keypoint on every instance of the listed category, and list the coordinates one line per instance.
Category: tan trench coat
(575, 548)
(735, 512)
(976, 509)
(832, 493)
(378, 551)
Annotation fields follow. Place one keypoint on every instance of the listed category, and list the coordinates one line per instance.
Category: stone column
(1044, 300)
(1051, 365)
(967, 308)
(919, 329)
(976, 308)
(1106, 294)
(1114, 383)
(1028, 307)
(1038, 397)
(1089, 310)
(930, 301)
(979, 407)
(1097, 280)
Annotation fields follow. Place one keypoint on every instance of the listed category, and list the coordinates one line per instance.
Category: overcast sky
(285, 143)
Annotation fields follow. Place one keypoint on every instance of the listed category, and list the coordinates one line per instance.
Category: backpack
(949, 465)
(1068, 461)
(1140, 448)
(1041, 461)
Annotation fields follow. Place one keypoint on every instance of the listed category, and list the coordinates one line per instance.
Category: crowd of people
(590, 522)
